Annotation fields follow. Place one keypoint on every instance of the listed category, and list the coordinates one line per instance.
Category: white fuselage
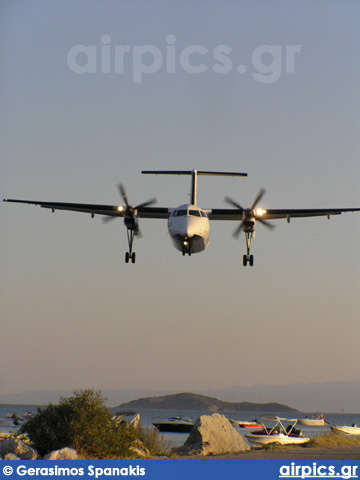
(189, 229)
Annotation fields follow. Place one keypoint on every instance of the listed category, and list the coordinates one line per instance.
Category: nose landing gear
(186, 248)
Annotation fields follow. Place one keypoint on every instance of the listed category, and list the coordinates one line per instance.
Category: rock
(11, 456)
(139, 449)
(62, 454)
(18, 448)
(135, 421)
(213, 435)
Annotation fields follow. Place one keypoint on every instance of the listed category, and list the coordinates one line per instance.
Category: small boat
(278, 433)
(28, 415)
(175, 424)
(249, 424)
(318, 420)
(346, 430)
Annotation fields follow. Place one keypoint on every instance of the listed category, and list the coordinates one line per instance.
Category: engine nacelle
(131, 223)
(249, 225)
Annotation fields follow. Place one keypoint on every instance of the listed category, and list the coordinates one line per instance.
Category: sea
(147, 417)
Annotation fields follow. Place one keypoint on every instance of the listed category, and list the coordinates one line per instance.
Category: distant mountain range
(194, 401)
(326, 397)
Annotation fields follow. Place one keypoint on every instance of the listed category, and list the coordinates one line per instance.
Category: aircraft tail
(194, 173)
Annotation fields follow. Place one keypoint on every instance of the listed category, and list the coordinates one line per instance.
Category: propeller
(130, 209)
(249, 213)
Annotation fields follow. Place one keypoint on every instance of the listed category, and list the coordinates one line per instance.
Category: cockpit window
(180, 213)
(184, 213)
(195, 213)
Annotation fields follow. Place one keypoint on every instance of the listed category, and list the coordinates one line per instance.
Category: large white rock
(213, 435)
(62, 454)
(18, 448)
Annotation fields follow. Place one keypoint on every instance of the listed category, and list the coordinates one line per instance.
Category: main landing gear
(130, 254)
(248, 258)
(247, 225)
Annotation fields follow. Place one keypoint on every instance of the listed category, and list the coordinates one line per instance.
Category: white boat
(318, 420)
(278, 434)
(346, 430)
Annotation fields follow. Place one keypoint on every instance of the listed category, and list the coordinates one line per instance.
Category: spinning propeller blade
(265, 223)
(123, 194)
(258, 198)
(129, 210)
(234, 204)
(237, 231)
(249, 213)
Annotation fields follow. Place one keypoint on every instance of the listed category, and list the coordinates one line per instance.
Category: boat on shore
(278, 434)
(345, 429)
(318, 420)
(249, 424)
(175, 424)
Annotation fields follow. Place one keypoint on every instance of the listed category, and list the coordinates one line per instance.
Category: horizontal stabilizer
(190, 172)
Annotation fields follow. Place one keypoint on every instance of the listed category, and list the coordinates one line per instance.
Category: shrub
(82, 422)
(334, 440)
(152, 440)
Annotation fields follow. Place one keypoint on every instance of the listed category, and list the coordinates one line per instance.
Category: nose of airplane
(187, 229)
(190, 229)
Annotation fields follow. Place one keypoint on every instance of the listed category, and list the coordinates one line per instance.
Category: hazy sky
(93, 92)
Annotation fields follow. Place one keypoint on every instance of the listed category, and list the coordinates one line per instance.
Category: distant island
(193, 401)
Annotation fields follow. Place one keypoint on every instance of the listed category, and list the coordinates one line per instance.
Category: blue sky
(73, 314)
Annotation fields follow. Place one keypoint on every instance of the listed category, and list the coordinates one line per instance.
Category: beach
(288, 453)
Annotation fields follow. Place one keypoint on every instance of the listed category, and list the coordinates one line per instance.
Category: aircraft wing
(271, 214)
(96, 209)
(164, 212)
(310, 212)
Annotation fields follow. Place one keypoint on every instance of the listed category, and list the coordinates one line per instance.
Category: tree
(82, 422)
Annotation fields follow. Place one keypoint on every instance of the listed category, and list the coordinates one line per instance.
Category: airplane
(189, 224)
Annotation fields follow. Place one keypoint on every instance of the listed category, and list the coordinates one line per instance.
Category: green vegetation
(82, 422)
(153, 441)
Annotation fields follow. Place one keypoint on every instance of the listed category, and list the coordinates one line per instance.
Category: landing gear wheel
(245, 260)
(251, 260)
(127, 257)
(133, 257)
